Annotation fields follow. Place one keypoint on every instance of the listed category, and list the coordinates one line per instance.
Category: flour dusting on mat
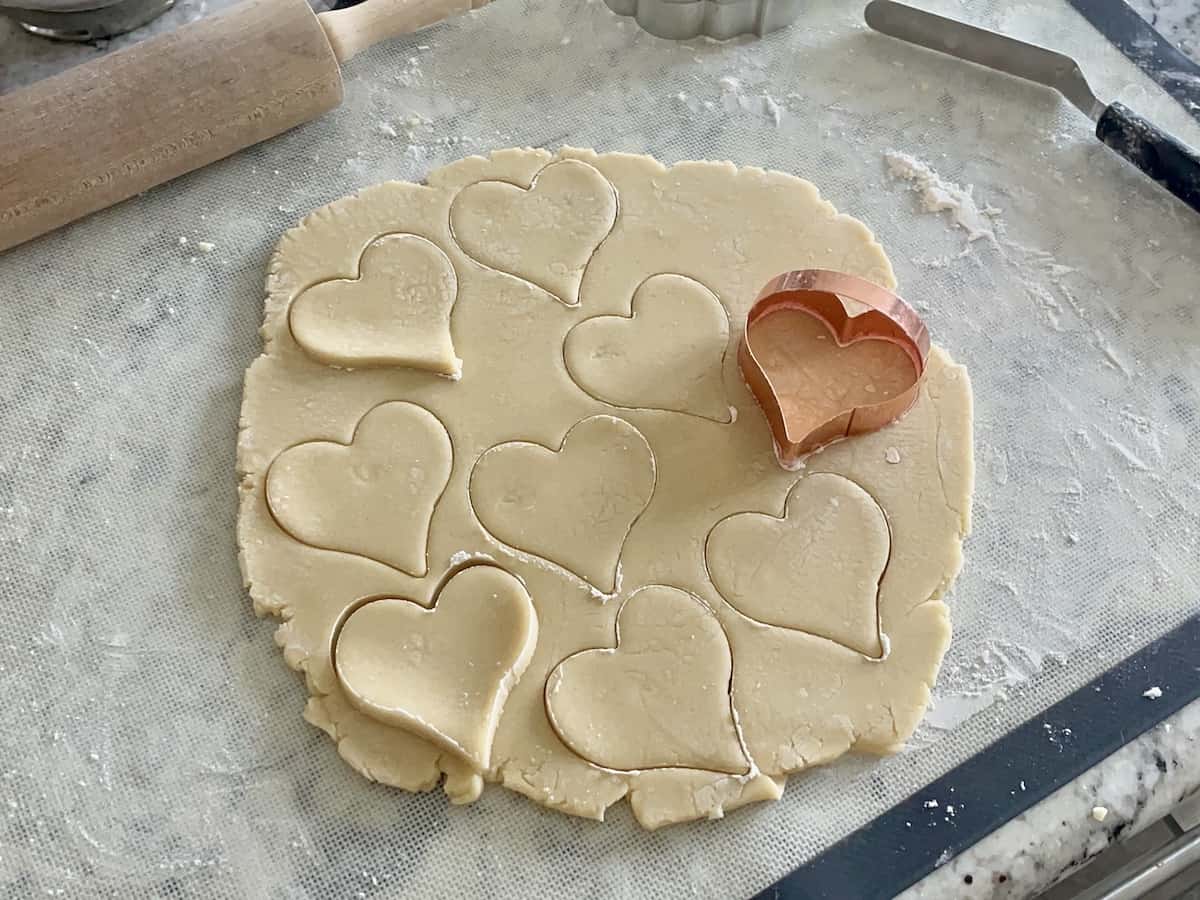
(939, 195)
(968, 687)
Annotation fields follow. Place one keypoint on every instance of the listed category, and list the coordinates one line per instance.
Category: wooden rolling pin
(101, 132)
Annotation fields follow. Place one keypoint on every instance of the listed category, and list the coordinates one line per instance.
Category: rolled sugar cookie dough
(569, 564)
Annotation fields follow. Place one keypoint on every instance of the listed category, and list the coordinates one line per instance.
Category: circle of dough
(799, 697)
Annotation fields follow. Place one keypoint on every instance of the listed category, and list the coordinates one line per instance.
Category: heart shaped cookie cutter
(874, 314)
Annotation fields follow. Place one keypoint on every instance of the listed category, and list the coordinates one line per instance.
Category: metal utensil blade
(986, 48)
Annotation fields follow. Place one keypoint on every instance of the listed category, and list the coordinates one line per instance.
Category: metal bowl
(84, 20)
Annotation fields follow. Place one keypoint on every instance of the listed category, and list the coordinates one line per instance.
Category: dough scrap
(573, 506)
(441, 673)
(816, 569)
(373, 496)
(800, 699)
(659, 699)
(659, 792)
(668, 353)
(544, 233)
(396, 312)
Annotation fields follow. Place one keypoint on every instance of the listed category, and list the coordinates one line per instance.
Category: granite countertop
(1136, 786)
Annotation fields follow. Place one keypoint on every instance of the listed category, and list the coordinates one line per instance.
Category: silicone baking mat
(150, 738)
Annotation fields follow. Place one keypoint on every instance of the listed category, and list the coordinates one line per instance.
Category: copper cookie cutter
(822, 294)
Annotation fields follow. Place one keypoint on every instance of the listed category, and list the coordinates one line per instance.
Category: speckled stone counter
(1136, 787)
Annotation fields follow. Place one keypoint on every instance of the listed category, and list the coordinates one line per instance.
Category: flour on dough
(349, 512)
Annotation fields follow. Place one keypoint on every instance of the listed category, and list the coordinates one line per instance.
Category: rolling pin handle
(355, 28)
(1160, 155)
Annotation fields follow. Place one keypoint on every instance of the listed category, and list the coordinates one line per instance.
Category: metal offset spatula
(1165, 158)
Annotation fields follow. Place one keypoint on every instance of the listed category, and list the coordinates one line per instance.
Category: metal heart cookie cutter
(853, 310)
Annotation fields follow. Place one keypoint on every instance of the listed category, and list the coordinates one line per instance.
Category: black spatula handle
(1166, 159)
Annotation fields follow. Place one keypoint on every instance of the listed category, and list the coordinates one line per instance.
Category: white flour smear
(968, 687)
(939, 195)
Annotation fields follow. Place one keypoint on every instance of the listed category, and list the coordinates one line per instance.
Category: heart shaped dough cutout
(373, 497)
(395, 313)
(545, 234)
(668, 354)
(573, 506)
(659, 699)
(816, 570)
(441, 673)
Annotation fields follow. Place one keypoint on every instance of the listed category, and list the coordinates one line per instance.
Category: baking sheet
(151, 738)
